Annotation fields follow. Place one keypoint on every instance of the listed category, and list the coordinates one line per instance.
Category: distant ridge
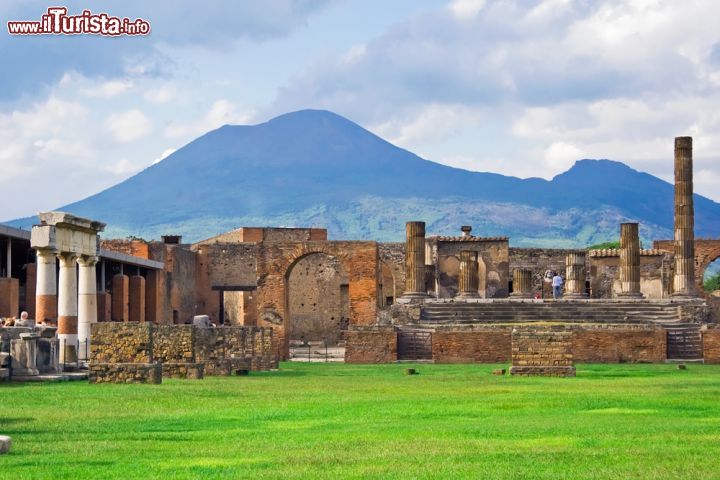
(316, 168)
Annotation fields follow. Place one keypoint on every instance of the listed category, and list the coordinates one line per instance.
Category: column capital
(45, 251)
(67, 259)
(88, 260)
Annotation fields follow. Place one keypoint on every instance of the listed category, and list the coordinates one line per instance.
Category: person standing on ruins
(557, 283)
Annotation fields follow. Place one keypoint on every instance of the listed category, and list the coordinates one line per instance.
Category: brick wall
(371, 345)
(471, 346)
(608, 344)
(711, 345)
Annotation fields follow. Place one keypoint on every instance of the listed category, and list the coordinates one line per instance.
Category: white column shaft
(87, 303)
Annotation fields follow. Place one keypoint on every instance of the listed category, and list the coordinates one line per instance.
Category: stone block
(202, 321)
(125, 373)
(5, 444)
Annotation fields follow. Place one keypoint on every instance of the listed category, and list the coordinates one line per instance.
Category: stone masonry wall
(115, 342)
(125, 373)
(371, 345)
(542, 352)
(173, 343)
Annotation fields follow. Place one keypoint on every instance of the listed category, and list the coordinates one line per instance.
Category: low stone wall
(183, 370)
(125, 373)
(173, 343)
(184, 351)
(542, 352)
(371, 345)
(471, 346)
(619, 344)
(121, 342)
(711, 344)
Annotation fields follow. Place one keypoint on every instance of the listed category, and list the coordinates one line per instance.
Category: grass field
(349, 421)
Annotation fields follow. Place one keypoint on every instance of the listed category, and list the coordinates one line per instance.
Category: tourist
(10, 322)
(23, 322)
(557, 283)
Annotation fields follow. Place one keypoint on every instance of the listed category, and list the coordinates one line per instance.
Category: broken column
(68, 308)
(137, 299)
(522, 283)
(468, 281)
(684, 279)
(575, 273)
(629, 261)
(415, 260)
(46, 286)
(87, 302)
(120, 298)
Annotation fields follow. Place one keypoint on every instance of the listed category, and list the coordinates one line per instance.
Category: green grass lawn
(350, 421)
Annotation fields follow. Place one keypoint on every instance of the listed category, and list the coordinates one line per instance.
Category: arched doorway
(318, 304)
(711, 277)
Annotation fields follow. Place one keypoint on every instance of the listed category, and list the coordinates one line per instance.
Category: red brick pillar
(153, 296)
(104, 303)
(120, 298)
(137, 298)
(9, 297)
(30, 286)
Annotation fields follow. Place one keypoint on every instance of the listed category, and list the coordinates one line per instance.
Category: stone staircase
(684, 342)
(453, 313)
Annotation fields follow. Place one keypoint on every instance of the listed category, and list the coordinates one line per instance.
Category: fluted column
(684, 279)
(87, 302)
(629, 261)
(46, 286)
(522, 283)
(575, 273)
(468, 281)
(415, 260)
(68, 308)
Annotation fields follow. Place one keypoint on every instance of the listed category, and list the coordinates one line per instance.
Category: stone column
(468, 281)
(575, 272)
(684, 279)
(87, 302)
(46, 286)
(522, 283)
(8, 253)
(415, 260)
(68, 308)
(629, 261)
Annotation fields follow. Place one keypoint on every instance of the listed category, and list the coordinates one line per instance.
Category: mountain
(315, 168)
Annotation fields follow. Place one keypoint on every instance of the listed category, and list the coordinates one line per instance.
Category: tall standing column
(629, 261)
(415, 260)
(46, 286)
(684, 279)
(68, 308)
(575, 272)
(468, 281)
(522, 283)
(87, 302)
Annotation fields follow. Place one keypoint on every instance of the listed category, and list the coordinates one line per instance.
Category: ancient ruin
(463, 298)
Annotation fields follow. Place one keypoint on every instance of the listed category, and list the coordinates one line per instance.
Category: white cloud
(162, 94)
(129, 126)
(166, 153)
(108, 89)
(466, 8)
(560, 155)
(221, 112)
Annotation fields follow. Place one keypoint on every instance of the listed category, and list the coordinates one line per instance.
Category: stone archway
(317, 302)
(707, 252)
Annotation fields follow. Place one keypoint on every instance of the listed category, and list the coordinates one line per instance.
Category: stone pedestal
(87, 303)
(522, 283)
(415, 261)
(629, 261)
(575, 272)
(468, 281)
(68, 308)
(684, 279)
(46, 286)
(24, 354)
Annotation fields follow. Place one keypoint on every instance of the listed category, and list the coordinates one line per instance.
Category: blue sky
(518, 87)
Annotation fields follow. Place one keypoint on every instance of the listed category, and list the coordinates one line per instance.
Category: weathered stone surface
(542, 352)
(125, 373)
(5, 444)
(202, 321)
(115, 342)
(619, 344)
(471, 346)
(711, 345)
(194, 371)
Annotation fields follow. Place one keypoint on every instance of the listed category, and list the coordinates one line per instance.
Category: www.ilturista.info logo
(57, 22)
